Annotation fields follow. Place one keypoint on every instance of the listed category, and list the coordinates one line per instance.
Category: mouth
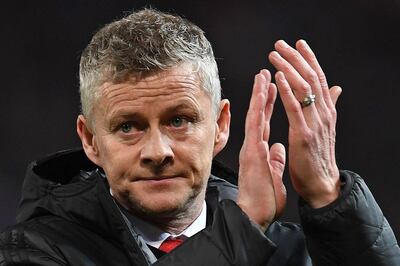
(157, 178)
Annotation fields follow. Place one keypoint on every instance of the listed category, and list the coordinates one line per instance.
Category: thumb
(335, 92)
(277, 164)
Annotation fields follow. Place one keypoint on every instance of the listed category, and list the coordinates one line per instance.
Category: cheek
(205, 141)
(198, 152)
(115, 159)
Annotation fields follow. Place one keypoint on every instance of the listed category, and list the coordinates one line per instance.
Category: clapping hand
(310, 107)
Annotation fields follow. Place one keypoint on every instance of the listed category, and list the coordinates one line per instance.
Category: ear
(222, 126)
(88, 139)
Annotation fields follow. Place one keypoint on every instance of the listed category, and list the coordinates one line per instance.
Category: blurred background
(357, 43)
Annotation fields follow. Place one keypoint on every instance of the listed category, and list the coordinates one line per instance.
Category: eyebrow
(182, 106)
(124, 114)
(121, 116)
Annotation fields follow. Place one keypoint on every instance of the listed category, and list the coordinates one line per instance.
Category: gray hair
(141, 44)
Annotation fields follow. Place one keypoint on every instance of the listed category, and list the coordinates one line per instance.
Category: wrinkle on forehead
(166, 86)
(178, 77)
(135, 92)
(127, 103)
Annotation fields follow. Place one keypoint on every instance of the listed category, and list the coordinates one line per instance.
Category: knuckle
(313, 58)
(252, 150)
(278, 164)
(305, 88)
(286, 68)
(295, 108)
(294, 54)
(285, 90)
(322, 78)
(308, 137)
(244, 155)
(333, 113)
(312, 77)
(325, 118)
(330, 115)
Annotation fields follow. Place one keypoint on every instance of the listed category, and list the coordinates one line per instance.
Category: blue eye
(177, 121)
(126, 128)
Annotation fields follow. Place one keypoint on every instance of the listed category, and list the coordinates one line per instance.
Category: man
(152, 121)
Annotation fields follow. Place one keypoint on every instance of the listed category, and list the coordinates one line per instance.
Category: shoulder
(26, 233)
(29, 242)
(52, 240)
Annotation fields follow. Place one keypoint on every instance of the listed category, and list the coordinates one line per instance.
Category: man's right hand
(262, 195)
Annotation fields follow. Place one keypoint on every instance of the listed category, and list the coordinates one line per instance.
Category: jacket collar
(67, 184)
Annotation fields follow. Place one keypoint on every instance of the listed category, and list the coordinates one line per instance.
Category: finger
(277, 163)
(269, 108)
(290, 103)
(299, 86)
(255, 118)
(335, 92)
(296, 60)
(305, 50)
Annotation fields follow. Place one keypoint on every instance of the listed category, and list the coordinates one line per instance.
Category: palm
(261, 192)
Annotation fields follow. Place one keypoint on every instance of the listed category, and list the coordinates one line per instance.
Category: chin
(161, 205)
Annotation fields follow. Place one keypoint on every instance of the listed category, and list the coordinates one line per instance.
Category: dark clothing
(68, 217)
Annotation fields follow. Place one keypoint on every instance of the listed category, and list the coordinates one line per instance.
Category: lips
(156, 178)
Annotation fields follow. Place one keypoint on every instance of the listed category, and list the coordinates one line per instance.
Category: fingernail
(283, 44)
(304, 44)
(280, 76)
(274, 54)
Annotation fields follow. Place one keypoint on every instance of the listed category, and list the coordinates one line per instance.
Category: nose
(156, 151)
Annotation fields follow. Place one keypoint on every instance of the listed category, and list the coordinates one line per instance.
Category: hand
(262, 195)
(312, 163)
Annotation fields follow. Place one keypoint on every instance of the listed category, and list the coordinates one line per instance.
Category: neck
(175, 221)
(176, 224)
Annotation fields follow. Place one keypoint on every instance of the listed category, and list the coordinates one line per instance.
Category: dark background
(357, 43)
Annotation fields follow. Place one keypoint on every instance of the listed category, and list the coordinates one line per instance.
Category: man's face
(155, 139)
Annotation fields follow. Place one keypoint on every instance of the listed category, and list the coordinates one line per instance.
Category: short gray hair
(141, 44)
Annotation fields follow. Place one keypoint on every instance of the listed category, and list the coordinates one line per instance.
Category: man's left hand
(312, 163)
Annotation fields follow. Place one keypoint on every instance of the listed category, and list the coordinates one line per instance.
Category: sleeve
(350, 231)
(17, 248)
(232, 239)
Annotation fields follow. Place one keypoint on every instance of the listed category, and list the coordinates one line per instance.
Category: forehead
(178, 79)
(174, 86)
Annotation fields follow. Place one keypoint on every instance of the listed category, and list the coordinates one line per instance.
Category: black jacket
(68, 217)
